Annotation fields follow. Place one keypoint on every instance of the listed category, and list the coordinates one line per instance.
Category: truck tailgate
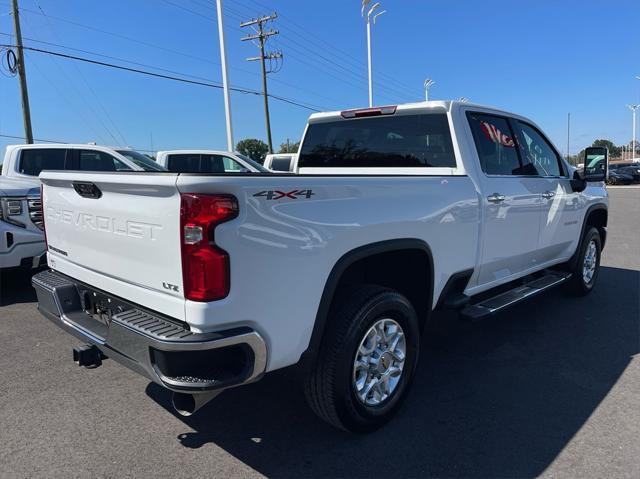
(117, 229)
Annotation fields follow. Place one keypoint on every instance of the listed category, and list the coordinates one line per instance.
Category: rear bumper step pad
(157, 347)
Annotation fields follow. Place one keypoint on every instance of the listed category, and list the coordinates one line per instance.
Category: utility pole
(633, 109)
(261, 35)
(22, 75)
(225, 80)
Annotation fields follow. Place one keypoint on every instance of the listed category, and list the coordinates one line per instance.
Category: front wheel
(366, 361)
(588, 265)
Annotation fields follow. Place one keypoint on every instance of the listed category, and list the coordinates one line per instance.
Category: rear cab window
(419, 141)
(281, 164)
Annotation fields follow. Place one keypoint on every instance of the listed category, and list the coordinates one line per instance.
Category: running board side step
(488, 307)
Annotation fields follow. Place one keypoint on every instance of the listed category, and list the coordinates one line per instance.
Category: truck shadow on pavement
(498, 398)
(15, 287)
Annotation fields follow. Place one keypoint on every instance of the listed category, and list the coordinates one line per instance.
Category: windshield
(141, 160)
(251, 162)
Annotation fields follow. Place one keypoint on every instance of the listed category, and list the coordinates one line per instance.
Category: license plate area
(99, 308)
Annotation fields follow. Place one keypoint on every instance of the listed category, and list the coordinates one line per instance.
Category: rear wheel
(366, 361)
(588, 264)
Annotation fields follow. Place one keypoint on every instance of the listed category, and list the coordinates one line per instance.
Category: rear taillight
(205, 266)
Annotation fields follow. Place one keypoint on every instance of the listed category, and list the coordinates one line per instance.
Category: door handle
(495, 198)
(547, 195)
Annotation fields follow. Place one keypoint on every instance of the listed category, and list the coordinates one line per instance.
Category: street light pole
(370, 13)
(427, 83)
(633, 109)
(225, 80)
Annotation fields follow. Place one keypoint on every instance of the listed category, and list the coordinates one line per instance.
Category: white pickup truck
(203, 282)
(21, 238)
(207, 161)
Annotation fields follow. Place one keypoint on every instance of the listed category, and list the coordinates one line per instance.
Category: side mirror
(596, 160)
(578, 183)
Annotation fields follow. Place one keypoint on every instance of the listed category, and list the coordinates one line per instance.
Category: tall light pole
(225, 81)
(371, 17)
(428, 83)
(633, 109)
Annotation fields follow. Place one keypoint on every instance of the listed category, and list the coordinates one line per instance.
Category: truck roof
(425, 106)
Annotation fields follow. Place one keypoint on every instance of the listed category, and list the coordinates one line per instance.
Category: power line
(59, 142)
(159, 75)
(393, 93)
(16, 137)
(84, 113)
(88, 85)
(329, 63)
(132, 62)
(305, 34)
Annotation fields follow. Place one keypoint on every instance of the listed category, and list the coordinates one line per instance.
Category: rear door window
(93, 160)
(495, 144)
(381, 142)
(33, 161)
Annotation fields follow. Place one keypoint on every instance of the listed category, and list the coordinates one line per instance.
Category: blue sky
(540, 58)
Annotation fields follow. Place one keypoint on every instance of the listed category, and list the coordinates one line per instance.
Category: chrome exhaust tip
(187, 404)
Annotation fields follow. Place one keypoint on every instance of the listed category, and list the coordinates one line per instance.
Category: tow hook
(88, 356)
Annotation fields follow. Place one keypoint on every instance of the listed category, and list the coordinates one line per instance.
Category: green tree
(614, 151)
(289, 147)
(254, 149)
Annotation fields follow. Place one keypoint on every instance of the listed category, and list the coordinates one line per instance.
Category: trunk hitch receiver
(88, 356)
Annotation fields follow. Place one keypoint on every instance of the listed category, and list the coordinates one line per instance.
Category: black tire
(578, 285)
(329, 388)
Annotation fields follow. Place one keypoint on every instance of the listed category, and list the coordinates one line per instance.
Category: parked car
(207, 161)
(616, 177)
(27, 161)
(627, 168)
(206, 282)
(21, 239)
(280, 162)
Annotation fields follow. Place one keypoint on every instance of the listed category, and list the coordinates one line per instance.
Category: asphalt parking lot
(550, 388)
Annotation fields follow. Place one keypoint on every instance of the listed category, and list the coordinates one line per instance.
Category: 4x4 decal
(277, 194)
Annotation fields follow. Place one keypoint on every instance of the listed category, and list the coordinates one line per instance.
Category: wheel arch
(346, 265)
(598, 216)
